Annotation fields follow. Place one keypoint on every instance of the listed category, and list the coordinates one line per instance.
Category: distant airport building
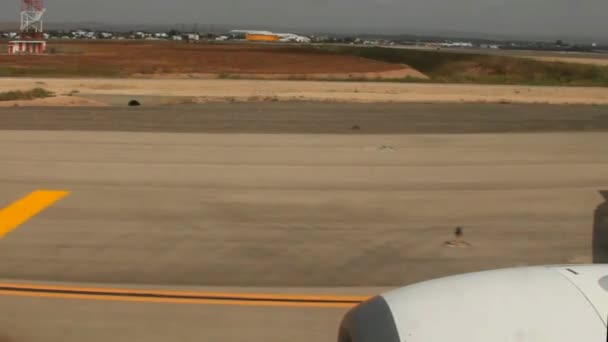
(457, 44)
(267, 36)
(257, 37)
(191, 37)
(290, 37)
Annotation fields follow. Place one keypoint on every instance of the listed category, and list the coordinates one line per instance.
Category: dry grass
(454, 67)
(575, 60)
(294, 62)
(17, 95)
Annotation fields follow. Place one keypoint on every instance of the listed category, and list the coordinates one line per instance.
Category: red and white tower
(31, 18)
(32, 37)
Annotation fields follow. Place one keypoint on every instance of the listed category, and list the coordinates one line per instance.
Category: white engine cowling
(534, 304)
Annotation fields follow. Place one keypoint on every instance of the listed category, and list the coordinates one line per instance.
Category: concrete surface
(297, 210)
(60, 320)
(309, 118)
(223, 210)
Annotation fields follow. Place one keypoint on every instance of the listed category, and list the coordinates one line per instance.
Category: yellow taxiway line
(179, 297)
(24, 209)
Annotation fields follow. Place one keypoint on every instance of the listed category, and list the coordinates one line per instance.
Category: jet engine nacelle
(535, 304)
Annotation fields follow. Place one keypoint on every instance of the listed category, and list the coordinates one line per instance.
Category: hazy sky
(583, 18)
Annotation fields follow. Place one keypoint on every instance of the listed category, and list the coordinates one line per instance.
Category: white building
(284, 37)
(290, 37)
(458, 44)
(191, 36)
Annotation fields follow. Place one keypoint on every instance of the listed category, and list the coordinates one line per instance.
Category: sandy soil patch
(58, 101)
(362, 92)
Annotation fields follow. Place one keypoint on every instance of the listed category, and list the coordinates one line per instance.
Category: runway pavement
(33, 319)
(296, 210)
(335, 212)
(43, 311)
(303, 117)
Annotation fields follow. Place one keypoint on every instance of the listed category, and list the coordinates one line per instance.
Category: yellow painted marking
(256, 296)
(24, 209)
(156, 296)
(177, 300)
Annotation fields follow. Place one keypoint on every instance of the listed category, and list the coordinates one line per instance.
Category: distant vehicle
(533, 304)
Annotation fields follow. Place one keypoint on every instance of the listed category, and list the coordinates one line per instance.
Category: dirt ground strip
(579, 60)
(203, 60)
(203, 91)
